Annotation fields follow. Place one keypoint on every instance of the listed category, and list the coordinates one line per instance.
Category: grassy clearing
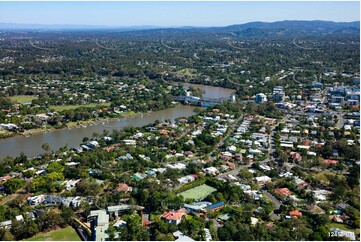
(68, 107)
(187, 72)
(198, 193)
(66, 234)
(344, 227)
(22, 98)
(4, 133)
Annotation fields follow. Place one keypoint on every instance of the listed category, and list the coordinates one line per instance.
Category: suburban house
(34, 201)
(283, 191)
(295, 214)
(179, 236)
(296, 157)
(71, 184)
(123, 187)
(263, 179)
(330, 162)
(174, 217)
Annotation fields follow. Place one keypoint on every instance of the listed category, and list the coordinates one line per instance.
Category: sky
(174, 13)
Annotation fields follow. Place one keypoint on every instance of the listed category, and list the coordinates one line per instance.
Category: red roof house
(330, 162)
(5, 178)
(296, 157)
(122, 187)
(295, 214)
(174, 217)
(283, 191)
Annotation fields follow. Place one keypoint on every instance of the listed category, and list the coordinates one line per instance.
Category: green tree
(50, 220)
(55, 167)
(13, 184)
(2, 213)
(87, 187)
(5, 235)
(134, 229)
(46, 147)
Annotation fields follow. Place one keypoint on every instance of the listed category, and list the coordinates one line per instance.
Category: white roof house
(263, 179)
(254, 151)
(211, 170)
(181, 237)
(254, 220)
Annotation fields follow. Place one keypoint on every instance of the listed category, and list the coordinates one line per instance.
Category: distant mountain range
(294, 28)
(252, 29)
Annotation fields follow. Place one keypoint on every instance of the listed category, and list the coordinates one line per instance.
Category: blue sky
(174, 13)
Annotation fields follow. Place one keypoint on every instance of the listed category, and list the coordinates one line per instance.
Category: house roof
(122, 187)
(5, 178)
(295, 213)
(314, 209)
(174, 215)
(182, 237)
(333, 162)
(283, 191)
(224, 217)
(296, 156)
(216, 205)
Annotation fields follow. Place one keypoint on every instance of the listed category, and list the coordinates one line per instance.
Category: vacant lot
(198, 193)
(68, 107)
(22, 98)
(66, 234)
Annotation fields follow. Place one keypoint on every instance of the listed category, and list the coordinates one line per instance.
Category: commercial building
(261, 98)
(99, 225)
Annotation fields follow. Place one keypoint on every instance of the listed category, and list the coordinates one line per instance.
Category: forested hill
(292, 28)
(261, 30)
(251, 29)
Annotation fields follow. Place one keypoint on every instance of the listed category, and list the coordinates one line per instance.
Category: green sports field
(22, 98)
(198, 193)
(65, 234)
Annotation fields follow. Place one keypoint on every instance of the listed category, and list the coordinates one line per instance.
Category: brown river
(31, 146)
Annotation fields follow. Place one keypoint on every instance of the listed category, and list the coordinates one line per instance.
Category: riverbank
(72, 137)
(5, 134)
(71, 125)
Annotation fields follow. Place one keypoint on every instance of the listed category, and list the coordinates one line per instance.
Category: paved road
(233, 128)
(186, 131)
(237, 84)
(305, 48)
(294, 77)
(167, 46)
(340, 122)
(233, 172)
(275, 201)
(271, 143)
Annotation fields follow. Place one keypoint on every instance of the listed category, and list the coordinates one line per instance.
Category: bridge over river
(203, 101)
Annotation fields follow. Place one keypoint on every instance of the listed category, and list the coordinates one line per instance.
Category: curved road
(103, 47)
(239, 48)
(37, 47)
(167, 46)
(305, 48)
